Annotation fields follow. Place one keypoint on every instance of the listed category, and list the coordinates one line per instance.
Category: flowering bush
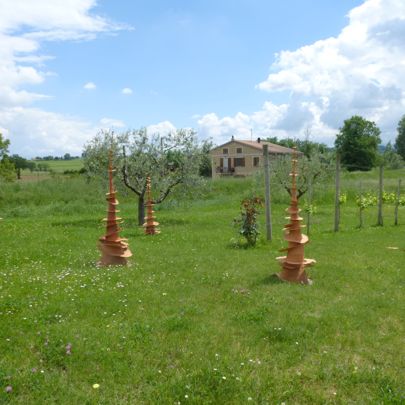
(310, 208)
(342, 198)
(364, 201)
(247, 224)
(389, 198)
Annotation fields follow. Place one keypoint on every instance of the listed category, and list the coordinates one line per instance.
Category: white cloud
(361, 71)
(111, 123)
(89, 86)
(35, 132)
(24, 26)
(126, 90)
(162, 128)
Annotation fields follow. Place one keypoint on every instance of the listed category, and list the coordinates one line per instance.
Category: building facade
(242, 158)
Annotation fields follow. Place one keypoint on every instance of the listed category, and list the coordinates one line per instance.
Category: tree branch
(125, 175)
(168, 190)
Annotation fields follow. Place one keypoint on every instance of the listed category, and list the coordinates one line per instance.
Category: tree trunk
(267, 195)
(141, 210)
(337, 194)
(397, 202)
(380, 196)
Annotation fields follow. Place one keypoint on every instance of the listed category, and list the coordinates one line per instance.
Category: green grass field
(59, 166)
(192, 319)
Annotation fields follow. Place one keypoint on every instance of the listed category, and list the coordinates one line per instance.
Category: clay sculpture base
(294, 272)
(114, 249)
(113, 254)
(150, 225)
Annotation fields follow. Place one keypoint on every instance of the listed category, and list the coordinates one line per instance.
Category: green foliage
(357, 143)
(342, 198)
(7, 170)
(311, 171)
(247, 224)
(4, 144)
(366, 200)
(310, 209)
(7, 167)
(43, 167)
(20, 163)
(391, 159)
(400, 139)
(169, 160)
(307, 147)
(389, 198)
(205, 169)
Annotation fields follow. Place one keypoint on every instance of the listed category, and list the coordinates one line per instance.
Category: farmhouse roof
(258, 144)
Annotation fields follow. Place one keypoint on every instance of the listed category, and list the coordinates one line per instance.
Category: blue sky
(221, 67)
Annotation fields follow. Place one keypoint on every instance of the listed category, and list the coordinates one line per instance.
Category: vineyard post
(380, 197)
(361, 209)
(337, 193)
(267, 201)
(397, 201)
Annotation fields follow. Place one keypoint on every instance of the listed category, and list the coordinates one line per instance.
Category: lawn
(193, 319)
(59, 166)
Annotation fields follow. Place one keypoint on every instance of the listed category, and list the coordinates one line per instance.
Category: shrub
(247, 224)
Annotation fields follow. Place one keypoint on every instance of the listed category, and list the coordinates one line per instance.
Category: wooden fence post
(397, 202)
(361, 209)
(267, 192)
(337, 193)
(380, 197)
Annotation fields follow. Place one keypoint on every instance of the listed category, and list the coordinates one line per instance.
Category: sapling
(247, 224)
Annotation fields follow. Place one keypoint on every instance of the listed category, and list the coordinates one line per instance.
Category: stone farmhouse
(242, 158)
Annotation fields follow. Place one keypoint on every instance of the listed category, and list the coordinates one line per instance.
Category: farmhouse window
(256, 161)
(225, 151)
(239, 162)
(238, 150)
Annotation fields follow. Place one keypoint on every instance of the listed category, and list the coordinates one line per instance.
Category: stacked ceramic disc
(150, 224)
(114, 249)
(294, 264)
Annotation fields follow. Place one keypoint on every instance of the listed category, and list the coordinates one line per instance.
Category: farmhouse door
(225, 165)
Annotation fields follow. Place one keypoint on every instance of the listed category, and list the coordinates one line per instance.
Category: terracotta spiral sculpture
(294, 264)
(150, 224)
(114, 249)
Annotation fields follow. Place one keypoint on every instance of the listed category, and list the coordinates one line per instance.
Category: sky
(70, 68)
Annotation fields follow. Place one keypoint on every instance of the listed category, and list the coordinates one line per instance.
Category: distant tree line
(66, 156)
(11, 166)
(359, 145)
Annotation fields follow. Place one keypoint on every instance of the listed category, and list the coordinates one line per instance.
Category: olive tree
(6, 166)
(170, 160)
(313, 170)
(400, 139)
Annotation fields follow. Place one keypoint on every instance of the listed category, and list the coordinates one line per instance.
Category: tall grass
(192, 319)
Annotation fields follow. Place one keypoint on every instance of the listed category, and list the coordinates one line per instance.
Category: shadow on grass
(174, 221)
(272, 279)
